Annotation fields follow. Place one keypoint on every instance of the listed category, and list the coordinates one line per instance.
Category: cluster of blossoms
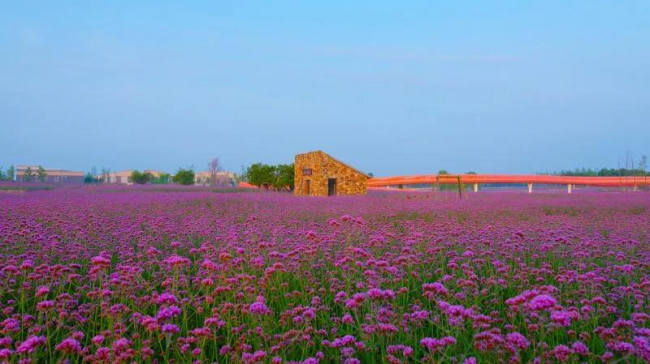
(190, 276)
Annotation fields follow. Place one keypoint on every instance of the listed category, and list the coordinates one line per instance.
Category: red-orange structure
(478, 179)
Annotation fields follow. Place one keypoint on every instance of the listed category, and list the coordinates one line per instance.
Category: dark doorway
(331, 186)
(307, 187)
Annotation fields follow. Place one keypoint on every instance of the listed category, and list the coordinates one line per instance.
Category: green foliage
(8, 175)
(140, 177)
(284, 177)
(29, 175)
(260, 175)
(471, 172)
(90, 178)
(603, 172)
(443, 172)
(184, 177)
(41, 174)
(163, 179)
(371, 175)
(280, 177)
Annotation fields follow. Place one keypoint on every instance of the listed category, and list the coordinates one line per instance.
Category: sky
(390, 87)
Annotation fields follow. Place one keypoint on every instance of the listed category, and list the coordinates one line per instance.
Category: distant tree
(3, 176)
(283, 177)
(443, 172)
(184, 177)
(106, 175)
(28, 176)
(471, 172)
(90, 178)
(260, 175)
(41, 174)
(9, 175)
(643, 164)
(371, 175)
(140, 177)
(162, 179)
(213, 168)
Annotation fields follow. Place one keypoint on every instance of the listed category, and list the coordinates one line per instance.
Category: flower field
(101, 275)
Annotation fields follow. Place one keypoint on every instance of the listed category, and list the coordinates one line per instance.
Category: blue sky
(390, 87)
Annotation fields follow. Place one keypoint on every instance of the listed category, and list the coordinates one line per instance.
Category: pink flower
(561, 318)
(169, 329)
(436, 345)
(69, 346)
(561, 353)
(42, 291)
(580, 348)
(378, 294)
(542, 302)
(29, 345)
(177, 261)
(166, 299)
(259, 307)
(100, 261)
(518, 340)
(435, 287)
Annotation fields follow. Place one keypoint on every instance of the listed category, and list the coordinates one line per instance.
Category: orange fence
(469, 179)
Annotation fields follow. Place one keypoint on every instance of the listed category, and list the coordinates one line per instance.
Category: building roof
(127, 173)
(208, 174)
(20, 170)
(338, 161)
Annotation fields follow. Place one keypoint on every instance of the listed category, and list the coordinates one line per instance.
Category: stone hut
(319, 174)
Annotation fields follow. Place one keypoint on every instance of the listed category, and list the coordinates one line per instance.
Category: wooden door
(331, 186)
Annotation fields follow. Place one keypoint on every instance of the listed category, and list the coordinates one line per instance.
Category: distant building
(223, 179)
(319, 174)
(55, 176)
(124, 177)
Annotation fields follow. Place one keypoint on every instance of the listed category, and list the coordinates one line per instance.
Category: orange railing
(469, 179)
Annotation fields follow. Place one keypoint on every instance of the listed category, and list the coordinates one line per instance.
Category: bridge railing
(530, 180)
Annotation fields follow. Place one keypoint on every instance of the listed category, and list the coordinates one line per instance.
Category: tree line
(184, 176)
(30, 175)
(630, 170)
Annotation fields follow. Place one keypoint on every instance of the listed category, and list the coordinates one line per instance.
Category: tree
(10, 173)
(214, 167)
(471, 172)
(284, 177)
(643, 164)
(371, 175)
(261, 175)
(279, 178)
(162, 179)
(3, 177)
(90, 178)
(106, 175)
(184, 177)
(443, 172)
(29, 175)
(41, 174)
(140, 177)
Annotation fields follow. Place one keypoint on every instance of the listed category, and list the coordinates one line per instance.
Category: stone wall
(317, 167)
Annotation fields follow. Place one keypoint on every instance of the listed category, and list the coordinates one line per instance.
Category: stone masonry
(314, 169)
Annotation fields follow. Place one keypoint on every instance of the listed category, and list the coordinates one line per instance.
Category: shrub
(184, 177)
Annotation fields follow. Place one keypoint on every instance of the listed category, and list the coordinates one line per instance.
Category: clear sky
(391, 87)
